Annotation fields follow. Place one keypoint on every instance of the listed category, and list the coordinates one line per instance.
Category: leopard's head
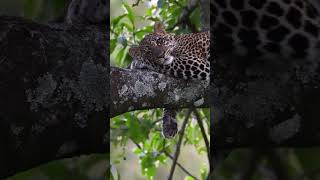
(154, 50)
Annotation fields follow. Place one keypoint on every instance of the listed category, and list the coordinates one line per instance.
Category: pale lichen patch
(198, 102)
(80, 120)
(37, 128)
(162, 86)
(123, 90)
(93, 83)
(286, 129)
(40, 95)
(130, 108)
(16, 130)
(141, 89)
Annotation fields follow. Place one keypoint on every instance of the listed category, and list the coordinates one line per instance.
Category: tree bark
(267, 102)
(142, 89)
(54, 92)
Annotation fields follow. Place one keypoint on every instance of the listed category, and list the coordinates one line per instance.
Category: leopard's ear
(133, 51)
(158, 28)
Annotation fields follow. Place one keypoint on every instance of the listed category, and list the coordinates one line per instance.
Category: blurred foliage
(273, 164)
(42, 10)
(143, 128)
(79, 168)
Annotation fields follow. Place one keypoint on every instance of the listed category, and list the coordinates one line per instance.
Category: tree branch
(262, 102)
(203, 132)
(176, 155)
(142, 89)
(180, 166)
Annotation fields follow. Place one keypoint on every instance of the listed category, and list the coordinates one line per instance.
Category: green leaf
(129, 27)
(31, 8)
(113, 44)
(149, 11)
(120, 55)
(116, 20)
(204, 173)
(194, 17)
(189, 178)
(309, 158)
(130, 12)
(135, 131)
(58, 5)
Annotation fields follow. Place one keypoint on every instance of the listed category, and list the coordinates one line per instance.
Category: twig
(136, 3)
(137, 144)
(180, 166)
(249, 170)
(156, 121)
(176, 155)
(203, 132)
(205, 138)
(276, 159)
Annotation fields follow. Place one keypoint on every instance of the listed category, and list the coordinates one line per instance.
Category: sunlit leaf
(113, 44)
(116, 20)
(130, 12)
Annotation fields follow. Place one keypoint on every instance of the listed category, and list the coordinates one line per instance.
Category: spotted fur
(183, 56)
(264, 28)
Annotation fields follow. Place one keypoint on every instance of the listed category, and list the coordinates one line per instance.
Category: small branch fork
(136, 3)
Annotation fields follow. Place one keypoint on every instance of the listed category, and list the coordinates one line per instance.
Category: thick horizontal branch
(263, 98)
(265, 102)
(54, 93)
(142, 89)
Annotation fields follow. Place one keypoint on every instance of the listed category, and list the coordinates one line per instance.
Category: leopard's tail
(169, 123)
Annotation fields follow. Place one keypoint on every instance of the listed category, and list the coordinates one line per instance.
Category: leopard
(275, 43)
(183, 56)
(265, 29)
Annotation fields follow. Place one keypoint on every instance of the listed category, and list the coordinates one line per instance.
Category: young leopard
(182, 56)
(269, 63)
(266, 28)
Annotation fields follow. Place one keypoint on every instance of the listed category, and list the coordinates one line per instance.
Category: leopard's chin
(168, 60)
